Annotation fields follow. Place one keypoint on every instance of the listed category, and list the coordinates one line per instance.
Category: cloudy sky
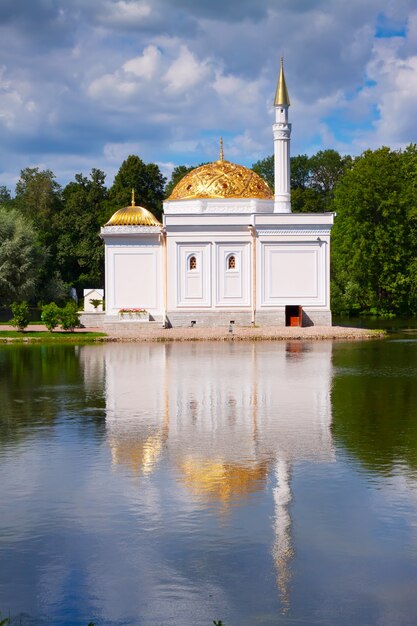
(85, 83)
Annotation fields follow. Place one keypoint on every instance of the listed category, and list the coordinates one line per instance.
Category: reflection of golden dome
(221, 179)
(133, 216)
(222, 481)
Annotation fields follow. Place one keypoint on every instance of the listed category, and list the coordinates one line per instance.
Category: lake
(175, 484)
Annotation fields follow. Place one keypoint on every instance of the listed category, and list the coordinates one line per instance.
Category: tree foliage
(145, 179)
(313, 179)
(19, 260)
(79, 249)
(374, 241)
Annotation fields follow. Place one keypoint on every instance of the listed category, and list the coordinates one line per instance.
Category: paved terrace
(137, 331)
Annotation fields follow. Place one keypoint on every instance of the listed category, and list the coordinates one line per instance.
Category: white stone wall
(134, 272)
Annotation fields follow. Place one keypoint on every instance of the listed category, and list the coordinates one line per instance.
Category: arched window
(192, 263)
(231, 262)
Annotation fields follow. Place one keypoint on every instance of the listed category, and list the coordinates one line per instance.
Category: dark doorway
(293, 315)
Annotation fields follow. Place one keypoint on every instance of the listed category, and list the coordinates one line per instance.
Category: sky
(85, 83)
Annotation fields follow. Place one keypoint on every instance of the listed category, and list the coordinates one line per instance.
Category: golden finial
(133, 197)
(221, 149)
(281, 94)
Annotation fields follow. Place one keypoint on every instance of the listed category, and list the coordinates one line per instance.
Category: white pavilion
(228, 250)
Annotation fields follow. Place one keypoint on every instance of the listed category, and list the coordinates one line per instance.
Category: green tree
(326, 168)
(19, 260)
(50, 315)
(69, 316)
(265, 169)
(178, 173)
(5, 200)
(147, 181)
(300, 172)
(79, 249)
(38, 198)
(20, 312)
(373, 246)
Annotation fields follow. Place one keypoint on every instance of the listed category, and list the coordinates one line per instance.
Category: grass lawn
(45, 336)
(32, 324)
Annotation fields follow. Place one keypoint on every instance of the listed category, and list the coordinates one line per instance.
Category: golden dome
(221, 179)
(133, 216)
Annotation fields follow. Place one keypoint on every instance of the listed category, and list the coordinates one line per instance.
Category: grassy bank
(42, 336)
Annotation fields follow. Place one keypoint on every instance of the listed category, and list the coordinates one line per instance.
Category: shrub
(51, 315)
(69, 316)
(20, 317)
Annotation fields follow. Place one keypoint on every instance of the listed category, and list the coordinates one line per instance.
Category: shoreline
(143, 334)
(244, 333)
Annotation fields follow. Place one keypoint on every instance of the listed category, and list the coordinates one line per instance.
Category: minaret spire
(282, 136)
(281, 94)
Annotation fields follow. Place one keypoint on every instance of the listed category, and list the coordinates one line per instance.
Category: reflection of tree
(375, 404)
(35, 383)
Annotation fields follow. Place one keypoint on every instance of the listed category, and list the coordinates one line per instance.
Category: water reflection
(225, 425)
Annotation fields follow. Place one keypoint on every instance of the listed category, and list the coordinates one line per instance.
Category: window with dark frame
(192, 265)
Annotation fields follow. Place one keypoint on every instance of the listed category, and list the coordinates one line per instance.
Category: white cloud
(185, 72)
(146, 65)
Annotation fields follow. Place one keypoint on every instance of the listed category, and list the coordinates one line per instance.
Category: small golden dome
(133, 216)
(221, 179)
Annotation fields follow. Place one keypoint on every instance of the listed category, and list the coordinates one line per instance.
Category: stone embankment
(240, 333)
(154, 332)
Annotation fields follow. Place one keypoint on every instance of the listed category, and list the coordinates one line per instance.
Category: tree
(147, 182)
(373, 242)
(38, 196)
(178, 174)
(265, 169)
(20, 312)
(79, 249)
(312, 179)
(300, 172)
(19, 260)
(5, 200)
(326, 167)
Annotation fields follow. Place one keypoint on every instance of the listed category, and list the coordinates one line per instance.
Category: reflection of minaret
(283, 550)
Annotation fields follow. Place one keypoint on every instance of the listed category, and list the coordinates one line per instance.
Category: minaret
(282, 134)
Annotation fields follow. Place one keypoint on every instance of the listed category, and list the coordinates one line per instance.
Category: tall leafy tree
(38, 198)
(19, 259)
(147, 181)
(373, 242)
(79, 249)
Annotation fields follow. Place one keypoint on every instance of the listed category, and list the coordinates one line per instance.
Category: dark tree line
(49, 235)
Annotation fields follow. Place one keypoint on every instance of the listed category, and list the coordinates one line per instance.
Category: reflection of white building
(225, 417)
(228, 249)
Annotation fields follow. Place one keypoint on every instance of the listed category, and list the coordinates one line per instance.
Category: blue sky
(85, 84)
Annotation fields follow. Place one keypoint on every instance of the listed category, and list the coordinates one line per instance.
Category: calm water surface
(256, 483)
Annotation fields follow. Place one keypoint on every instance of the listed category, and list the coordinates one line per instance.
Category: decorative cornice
(293, 231)
(130, 230)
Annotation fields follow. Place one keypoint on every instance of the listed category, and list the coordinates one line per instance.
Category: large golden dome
(133, 216)
(221, 179)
